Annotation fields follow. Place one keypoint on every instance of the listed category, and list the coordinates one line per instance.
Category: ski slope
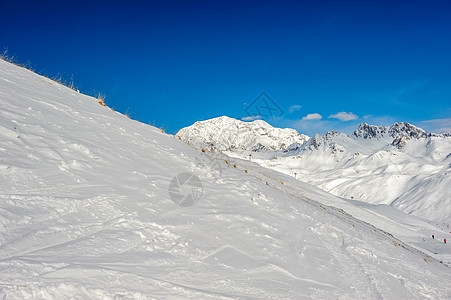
(85, 213)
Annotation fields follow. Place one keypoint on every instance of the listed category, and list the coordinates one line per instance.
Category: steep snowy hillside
(400, 165)
(226, 133)
(86, 213)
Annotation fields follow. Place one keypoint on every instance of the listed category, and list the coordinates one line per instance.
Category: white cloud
(294, 108)
(344, 116)
(252, 118)
(314, 116)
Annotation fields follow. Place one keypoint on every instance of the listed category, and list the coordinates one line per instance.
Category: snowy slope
(399, 165)
(85, 213)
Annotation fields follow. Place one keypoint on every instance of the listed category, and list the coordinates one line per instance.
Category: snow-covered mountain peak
(367, 131)
(330, 143)
(405, 129)
(396, 130)
(316, 141)
(332, 133)
(224, 133)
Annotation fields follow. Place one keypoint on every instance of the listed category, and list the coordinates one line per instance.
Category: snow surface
(85, 213)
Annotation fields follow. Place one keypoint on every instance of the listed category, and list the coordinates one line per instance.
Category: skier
(432, 236)
(445, 241)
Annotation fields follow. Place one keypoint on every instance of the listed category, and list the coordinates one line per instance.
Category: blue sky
(328, 65)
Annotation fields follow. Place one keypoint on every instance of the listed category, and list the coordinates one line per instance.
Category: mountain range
(400, 165)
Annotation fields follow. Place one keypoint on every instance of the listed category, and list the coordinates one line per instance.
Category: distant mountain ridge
(228, 134)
